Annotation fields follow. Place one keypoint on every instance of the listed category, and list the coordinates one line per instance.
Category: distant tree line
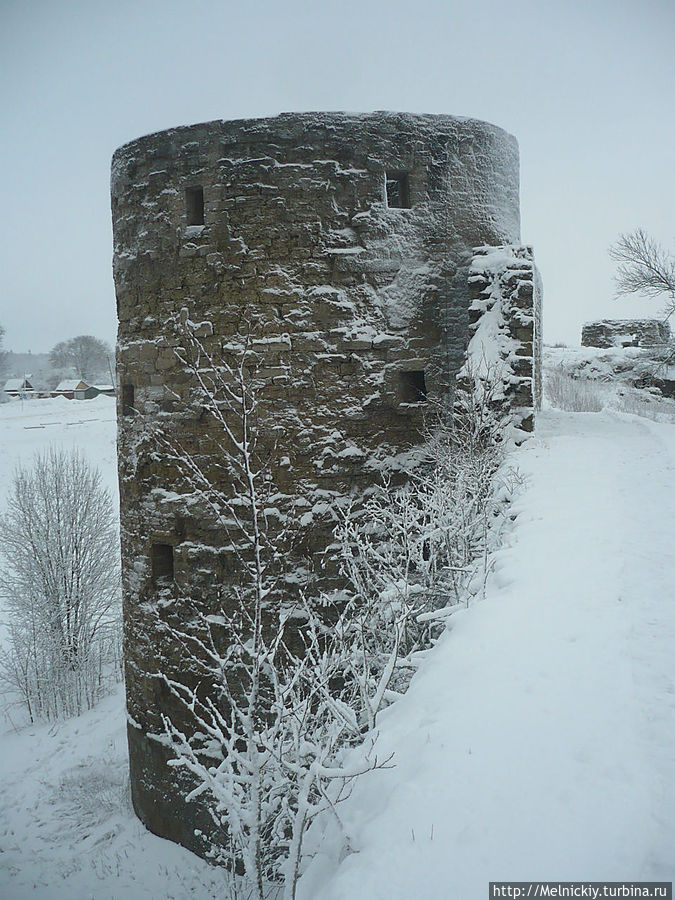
(84, 357)
(87, 355)
(3, 354)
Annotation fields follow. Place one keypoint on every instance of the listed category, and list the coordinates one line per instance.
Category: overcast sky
(587, 88)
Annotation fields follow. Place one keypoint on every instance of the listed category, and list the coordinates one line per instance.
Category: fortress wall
(344, 297)
(607, 333)
(505, 331)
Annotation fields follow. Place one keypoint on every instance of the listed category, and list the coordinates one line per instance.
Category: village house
(19, 387)
(107, 389)
(75, 389)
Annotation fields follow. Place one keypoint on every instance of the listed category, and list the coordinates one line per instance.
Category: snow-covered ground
(67, 829)
(620, 365)
(30, 426)
(535, 743)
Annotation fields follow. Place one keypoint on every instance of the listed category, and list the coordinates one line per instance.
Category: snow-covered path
(539, 740)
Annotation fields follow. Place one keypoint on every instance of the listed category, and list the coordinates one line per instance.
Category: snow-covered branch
(280, 689)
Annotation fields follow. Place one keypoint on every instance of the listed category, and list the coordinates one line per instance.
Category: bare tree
(273, 690)
(59, 585)
(87, 355)
(644, 268)
(3, 356)
(263, 725)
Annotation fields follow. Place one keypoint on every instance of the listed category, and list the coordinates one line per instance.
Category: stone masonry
(340, 248)
(625, 333)
(505, 328)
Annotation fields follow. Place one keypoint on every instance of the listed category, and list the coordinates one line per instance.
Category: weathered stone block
(625, 333)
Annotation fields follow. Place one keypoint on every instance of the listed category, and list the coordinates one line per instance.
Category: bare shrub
(413, 554)
(575, 394)
(631, 390)
(280, 688)
(265, 728)
(60, 586)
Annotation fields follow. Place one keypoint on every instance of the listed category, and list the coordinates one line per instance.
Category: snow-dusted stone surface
(504, 355)
(357, 314)
(625, 333)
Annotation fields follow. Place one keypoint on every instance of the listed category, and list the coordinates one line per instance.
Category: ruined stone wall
(505, 330)
(341, 247)
(625, 333)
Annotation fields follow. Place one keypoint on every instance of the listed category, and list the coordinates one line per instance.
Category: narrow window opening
(128, 400)
(162, 563)
(194, 205)
(413, 387)
(398, 190)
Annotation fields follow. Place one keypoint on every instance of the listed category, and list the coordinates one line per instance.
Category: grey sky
(586, 87)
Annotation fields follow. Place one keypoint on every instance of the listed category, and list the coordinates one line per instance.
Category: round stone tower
(339, 246)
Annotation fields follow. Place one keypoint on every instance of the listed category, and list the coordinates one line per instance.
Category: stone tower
(344, 248)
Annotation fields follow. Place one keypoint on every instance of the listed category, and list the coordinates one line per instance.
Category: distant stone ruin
(608, 333)
(369, 261)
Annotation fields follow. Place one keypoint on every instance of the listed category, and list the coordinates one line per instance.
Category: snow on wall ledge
(504, 355)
